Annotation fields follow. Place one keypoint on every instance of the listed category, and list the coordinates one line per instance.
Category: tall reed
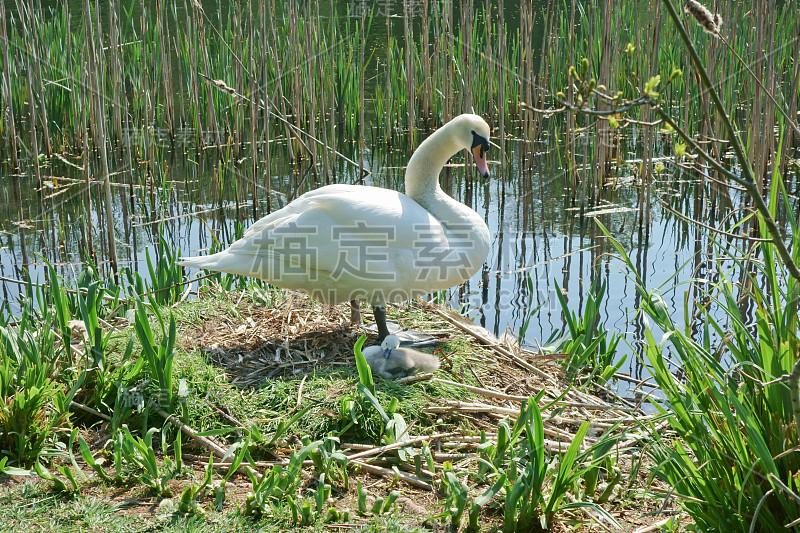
(8, 107)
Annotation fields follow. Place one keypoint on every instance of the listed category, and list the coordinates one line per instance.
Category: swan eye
(479, 140)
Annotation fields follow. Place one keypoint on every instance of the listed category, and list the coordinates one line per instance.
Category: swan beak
(480, 160)
(479, 147)
(386, 353)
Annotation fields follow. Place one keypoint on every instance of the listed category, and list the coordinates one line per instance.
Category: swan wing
(344, 242)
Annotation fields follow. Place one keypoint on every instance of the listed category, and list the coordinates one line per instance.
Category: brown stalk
(99, 121)
(8, 109)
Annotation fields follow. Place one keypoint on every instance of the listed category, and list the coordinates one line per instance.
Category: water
(535, 231)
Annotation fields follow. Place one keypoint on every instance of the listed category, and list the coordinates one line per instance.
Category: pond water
(541, 243)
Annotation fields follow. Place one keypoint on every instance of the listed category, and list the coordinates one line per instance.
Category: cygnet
(389, 360)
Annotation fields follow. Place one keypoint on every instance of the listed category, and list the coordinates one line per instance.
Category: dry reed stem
(385, 472)
(222, 464)
(395, 445)
(205, 442)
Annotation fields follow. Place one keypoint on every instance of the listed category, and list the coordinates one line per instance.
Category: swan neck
(422, 173)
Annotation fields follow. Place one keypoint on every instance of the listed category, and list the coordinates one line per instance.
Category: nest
(296, 335)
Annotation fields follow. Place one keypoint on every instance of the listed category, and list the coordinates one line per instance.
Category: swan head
(464, 132)
(473, 133)
(389, 343)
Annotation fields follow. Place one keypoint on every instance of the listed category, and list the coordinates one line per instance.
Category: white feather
(352, 242)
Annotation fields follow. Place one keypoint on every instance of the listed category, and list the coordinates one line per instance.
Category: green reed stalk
(321, 97)
(501, 90)
(194, 81)
(213, 124)
(312, 69)
(255, 96)
(8, 109)
(34, 139)
(266, 111)
(408, 34)
(362, 103)
(165, 62)
(36, 22)
(115, 74)
(426, 64)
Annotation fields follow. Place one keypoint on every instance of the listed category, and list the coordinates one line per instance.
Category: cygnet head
(473, 133)
(389, 343)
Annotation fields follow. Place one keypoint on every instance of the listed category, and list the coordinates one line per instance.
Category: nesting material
(295, 337)
(298, 336)
(485, 381)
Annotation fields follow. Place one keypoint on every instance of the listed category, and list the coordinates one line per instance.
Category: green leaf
(364, 371)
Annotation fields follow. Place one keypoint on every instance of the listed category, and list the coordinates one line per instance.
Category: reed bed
(305, 65)
(164, 79)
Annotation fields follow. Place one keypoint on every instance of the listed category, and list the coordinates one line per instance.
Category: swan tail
(221, 262)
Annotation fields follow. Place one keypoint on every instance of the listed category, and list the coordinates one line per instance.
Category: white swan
(354, 242)
(390, 361)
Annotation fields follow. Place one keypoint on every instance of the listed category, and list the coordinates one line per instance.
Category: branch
(747, 179)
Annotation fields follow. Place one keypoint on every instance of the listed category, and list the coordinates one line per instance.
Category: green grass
(32, 507)
(145, 460)
(332, 404)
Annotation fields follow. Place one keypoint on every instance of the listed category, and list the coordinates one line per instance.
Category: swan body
(353, 242)
(389, 360)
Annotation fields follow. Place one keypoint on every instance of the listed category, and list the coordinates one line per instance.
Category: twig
(781, 485)
(709, 228)
(454, 405)
(414, 378)
(656, 526)
(260, 464)
(483, 392)
(223, 414)
(205, 442)
(747, 181)
(493, 343)
(385, 472)
(400, 444)
(90, 410)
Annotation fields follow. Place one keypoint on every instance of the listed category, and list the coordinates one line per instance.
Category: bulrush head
(711, 23)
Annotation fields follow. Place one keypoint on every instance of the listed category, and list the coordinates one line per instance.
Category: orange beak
(480, 159)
